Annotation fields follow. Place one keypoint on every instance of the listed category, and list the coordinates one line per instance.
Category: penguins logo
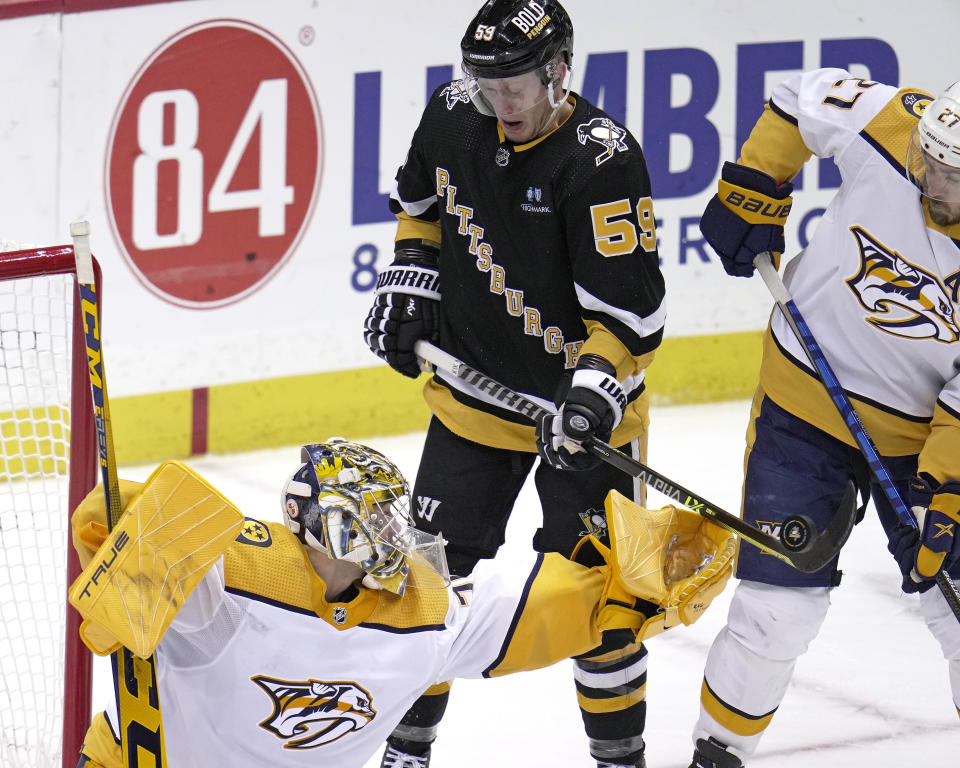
(908, 301)
(308, 714)
(595, 522)
(455, 93)
(606, 133)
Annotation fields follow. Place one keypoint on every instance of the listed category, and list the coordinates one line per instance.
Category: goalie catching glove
(664, 567)
(590, 405)
(406, 307)
(173, 529)
(746, 218)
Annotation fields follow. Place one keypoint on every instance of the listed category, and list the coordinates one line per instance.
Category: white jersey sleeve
(830, 107)
(204, 602)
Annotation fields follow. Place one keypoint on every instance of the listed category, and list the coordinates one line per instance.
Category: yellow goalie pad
(171, 533)
(671, 557)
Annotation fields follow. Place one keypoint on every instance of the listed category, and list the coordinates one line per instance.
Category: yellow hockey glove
(171, 533)
(88, 524)
(670, 557)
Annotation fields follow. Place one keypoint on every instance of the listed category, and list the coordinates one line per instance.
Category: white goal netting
(36, 318)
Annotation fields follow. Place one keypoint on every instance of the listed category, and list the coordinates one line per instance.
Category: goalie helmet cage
(48, 463)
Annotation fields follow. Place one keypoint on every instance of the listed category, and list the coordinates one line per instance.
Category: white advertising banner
(234, 158)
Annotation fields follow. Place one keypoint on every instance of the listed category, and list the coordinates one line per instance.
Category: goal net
(47, 465)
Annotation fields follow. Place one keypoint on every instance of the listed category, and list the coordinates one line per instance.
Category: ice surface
(871, 691)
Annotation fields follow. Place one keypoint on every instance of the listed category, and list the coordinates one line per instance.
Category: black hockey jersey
(548, 251)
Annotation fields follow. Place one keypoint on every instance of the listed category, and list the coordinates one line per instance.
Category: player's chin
(944, 214)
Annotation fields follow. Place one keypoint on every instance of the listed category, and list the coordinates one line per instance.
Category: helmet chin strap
(556, 103)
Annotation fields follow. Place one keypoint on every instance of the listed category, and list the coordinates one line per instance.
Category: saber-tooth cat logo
(311, 713)
(905, 300)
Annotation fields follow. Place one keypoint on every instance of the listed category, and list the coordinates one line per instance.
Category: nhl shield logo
(311, 713)
(502, 158)
(339, 614)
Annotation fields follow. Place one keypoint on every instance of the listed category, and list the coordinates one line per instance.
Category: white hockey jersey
(878, 283)
(259, 669)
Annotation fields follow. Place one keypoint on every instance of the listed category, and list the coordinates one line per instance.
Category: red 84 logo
(213, 163)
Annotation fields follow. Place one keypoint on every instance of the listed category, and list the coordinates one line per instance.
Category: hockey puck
(797, 532)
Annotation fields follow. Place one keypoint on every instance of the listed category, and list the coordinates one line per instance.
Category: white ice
(872, 690)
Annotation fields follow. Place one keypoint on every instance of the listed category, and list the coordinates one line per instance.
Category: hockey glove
(592, 407)
(938, 516)
(903, 546)
(406, 307)
(922, 553)
(746, 217)
(170, 534)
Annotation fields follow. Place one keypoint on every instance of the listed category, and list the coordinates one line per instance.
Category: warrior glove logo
(311, 713)
(907, 300)
(606, 133)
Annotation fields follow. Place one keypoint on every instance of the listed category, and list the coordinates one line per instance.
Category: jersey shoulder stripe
(889, 131)
(266, 562)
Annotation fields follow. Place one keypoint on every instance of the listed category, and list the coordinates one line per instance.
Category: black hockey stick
(829, 379)
(141, 731)
(798, 546)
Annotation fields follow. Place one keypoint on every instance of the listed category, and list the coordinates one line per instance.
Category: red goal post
(48, 463)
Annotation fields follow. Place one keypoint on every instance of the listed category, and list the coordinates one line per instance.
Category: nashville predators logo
(606, 133)
(254, 532)
(311, 713)
(455, 93)
(905, 299)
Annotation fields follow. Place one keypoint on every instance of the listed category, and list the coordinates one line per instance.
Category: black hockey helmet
(510, 37)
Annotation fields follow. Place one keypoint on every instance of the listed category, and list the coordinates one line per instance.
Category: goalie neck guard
(352, 503)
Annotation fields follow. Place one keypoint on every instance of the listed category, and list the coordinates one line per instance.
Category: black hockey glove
(903, 544)
(592, 407)
(746, 217)
(406, 307)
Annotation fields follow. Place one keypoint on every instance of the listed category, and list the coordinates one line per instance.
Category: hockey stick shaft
(488, 388)
(141, 730)
(801, 330)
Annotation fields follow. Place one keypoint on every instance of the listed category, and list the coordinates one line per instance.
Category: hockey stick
(796, 547)
(135, 679)
(829, 380)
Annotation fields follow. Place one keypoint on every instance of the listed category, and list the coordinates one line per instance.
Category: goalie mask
(352, 503)
(933, 156)
(516, 59)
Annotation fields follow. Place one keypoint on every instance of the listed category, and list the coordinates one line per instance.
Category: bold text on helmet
(529, 17)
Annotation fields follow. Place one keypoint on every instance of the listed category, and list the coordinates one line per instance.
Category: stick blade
(823, 547)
